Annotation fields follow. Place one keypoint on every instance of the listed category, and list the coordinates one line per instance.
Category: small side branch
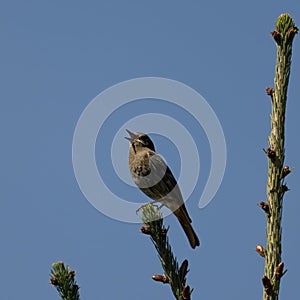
(64, 281)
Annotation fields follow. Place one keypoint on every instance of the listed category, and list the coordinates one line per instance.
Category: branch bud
(145, 230)
(267, 284)
(286, 171)
(260, 250)
(161, 278)
(279, 270)
(183, 270)
(269, 91)
(186, 292)
(265, 207)
(54, 281)
(276, 36)
(284, 188)
(270, 153)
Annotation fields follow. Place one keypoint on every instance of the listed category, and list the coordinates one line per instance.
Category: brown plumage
(151, 174)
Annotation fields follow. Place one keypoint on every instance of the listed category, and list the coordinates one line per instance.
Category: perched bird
(153, 177)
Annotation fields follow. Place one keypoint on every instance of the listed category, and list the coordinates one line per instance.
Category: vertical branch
(276, 188)
(173, 275)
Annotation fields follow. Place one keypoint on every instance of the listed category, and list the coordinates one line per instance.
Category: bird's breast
(139, 164)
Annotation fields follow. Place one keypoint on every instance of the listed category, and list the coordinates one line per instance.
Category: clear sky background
(56, 56)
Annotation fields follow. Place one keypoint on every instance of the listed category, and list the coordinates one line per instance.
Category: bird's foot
(145, 205)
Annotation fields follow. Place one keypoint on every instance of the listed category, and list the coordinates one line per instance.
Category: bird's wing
(167, 185)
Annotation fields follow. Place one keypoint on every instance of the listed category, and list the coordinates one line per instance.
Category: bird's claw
(150, 203)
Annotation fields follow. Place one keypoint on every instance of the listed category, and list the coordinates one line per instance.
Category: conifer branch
(276, 187)
(173, 274)
(64, 281)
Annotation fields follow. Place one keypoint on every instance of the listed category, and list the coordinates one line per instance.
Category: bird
(154, 178)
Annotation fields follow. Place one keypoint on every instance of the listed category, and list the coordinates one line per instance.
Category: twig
(276, 187)
(173, 274)
(64, 281)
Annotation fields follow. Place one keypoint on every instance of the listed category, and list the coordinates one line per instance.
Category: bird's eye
(144, 139)
(146, 142)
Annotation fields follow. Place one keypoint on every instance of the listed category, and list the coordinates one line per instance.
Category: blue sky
(56, 56)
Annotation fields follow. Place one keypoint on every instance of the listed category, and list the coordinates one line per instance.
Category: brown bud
(184, 267)
(265, 207)
(279, 270)
(286, 171)
(186, 292)
(284, 188)
(294, 29)
(260, 250)
(146, 230)
(53, 281)
(276, 36)
(269, 91)
(267, 284)
(164, 230)
(161, 278)
(292, 32)
(270, 153)
(72, 273)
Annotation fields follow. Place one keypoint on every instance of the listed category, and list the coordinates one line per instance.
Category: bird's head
(139, 140)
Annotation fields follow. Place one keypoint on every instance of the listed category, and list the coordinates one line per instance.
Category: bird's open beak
(132, 136)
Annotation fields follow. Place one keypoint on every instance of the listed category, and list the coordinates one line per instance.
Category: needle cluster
(64, 281)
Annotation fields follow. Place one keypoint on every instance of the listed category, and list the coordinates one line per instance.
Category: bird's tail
(185, 222)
